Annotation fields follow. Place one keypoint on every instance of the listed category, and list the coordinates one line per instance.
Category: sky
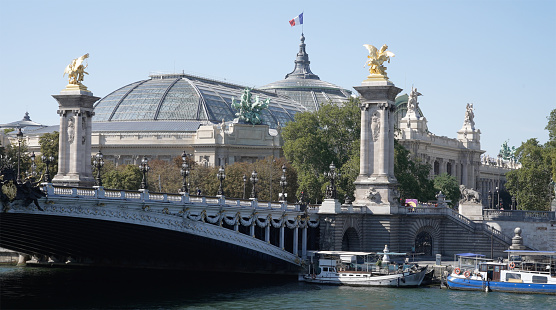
(498, 55)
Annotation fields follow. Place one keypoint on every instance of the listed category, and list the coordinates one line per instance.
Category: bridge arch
(351, 240)
(425, 236)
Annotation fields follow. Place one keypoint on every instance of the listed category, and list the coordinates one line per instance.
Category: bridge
(101, 227)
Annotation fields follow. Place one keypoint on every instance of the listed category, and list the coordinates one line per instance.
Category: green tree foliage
(449, 186)
(316, 139)
(164, 176)
(530, 184)
(412, 176)
(10, 155)
(551, 126)
(49, 147)
(268, 170)
(125, 177)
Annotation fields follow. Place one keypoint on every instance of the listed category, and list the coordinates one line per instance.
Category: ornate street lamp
(513, 203)
(144, 166)
(254, 181)
(498, 198)
(98, 162)
(244, 184)
(489, 199)
(332, 175)
(47, 161)
(184, 172)
(19, 140)
(221, 176)
(33, 166)
(283, 183)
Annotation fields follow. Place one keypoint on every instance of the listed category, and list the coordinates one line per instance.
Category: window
(513, 276)
(540, 279)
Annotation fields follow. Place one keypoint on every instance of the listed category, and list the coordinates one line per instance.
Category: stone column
(295, 240)
(282, 237)
(304, 241)
(376, 185)
(74, 156)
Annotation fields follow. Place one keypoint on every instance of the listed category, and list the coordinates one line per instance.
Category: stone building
(460, 157)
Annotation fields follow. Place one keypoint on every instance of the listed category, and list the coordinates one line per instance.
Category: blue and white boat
(523, 272)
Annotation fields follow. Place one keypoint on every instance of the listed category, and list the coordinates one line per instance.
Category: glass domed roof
(183, 97)
(305, 87)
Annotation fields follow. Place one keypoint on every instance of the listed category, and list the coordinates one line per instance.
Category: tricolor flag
(298, 20)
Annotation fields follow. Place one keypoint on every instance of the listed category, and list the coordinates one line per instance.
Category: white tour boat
(355, 269)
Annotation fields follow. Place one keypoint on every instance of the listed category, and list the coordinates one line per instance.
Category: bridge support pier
(296, 241)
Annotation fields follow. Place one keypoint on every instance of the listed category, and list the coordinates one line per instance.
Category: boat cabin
(492, 270)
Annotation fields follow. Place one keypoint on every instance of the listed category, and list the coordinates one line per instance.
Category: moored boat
(523, 272)
(357, 269)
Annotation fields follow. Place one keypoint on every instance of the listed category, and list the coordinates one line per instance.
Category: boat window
(515, 276)
(483, 267)
(540, 279)
(344, 275)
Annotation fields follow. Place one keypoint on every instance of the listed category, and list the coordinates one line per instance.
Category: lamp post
(332, 175)
(513, 203)
(489, 199)
(144, 166)
(283, 183)
(47, 160)
(254, 181)
(184, 172)
(221, 176)
(19, 139)
(33, 166)
(244, 184)
(497, 198)
(98, 162)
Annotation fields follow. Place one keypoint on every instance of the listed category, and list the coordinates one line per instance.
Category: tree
(449, 186)
(49, 147)
(412, 176)
(530, 183)
(316, 139)
(551, 126)
(125, 177)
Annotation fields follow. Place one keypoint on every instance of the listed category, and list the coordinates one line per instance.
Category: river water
(64, 288)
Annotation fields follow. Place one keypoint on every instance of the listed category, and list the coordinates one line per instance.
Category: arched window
(436, 167)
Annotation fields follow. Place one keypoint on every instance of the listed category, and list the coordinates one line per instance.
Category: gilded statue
(376, 59)
(76, 70)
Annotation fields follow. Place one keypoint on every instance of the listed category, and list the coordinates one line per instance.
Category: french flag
(298, 20)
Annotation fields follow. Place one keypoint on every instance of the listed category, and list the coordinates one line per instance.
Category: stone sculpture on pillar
(376, 185)
(76, 112)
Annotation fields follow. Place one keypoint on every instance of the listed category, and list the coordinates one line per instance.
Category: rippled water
(57, 288)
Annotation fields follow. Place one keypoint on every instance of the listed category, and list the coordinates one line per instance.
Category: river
(65, 288)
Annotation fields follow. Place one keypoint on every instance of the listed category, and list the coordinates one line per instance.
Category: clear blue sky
(498, 55)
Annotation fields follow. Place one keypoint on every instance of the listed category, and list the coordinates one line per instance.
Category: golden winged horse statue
(377, 58)
(76, 70)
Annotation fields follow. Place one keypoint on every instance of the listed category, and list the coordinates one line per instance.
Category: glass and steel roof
(305, 87)
(185, 98)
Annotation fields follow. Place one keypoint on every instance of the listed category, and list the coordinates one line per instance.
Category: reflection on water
(57, 288)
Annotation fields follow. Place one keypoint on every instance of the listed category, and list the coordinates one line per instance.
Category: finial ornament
(375, 60)
(76, 72)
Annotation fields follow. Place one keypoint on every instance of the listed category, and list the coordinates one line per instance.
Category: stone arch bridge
(94, 226)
